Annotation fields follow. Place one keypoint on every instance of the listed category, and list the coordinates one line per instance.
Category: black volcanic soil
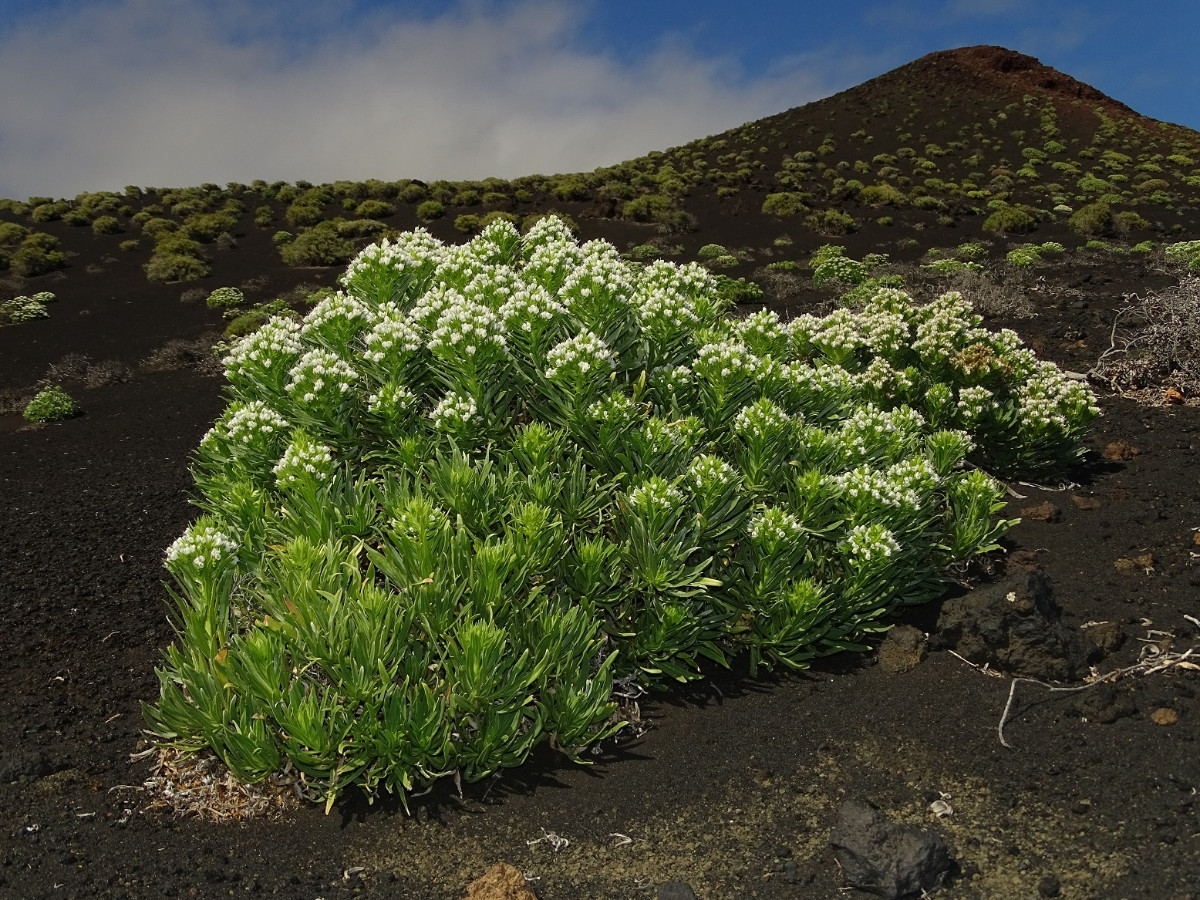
(736, 785)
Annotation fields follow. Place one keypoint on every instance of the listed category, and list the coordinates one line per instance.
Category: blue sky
(106, 93)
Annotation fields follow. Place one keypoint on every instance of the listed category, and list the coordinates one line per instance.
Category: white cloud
(169, 92)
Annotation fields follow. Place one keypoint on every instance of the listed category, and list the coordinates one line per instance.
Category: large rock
(1013, 626)
(885, 858)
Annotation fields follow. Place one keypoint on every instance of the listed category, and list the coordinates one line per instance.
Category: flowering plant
(448, 509)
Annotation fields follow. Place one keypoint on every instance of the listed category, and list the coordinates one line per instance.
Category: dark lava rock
(904, 648)
(674, 890)
(1013, 626)
(25, 765)
(1104, 704)
(885, 858)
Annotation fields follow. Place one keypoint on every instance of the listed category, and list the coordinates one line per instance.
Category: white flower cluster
(1049, 400)
(820, 379)
(493, 286)
(201, 545)
(275, 345)
(867, 486)
(391, 399)
(425, 313)
(582, 356)
(320, 375)
(548, 231)
(337, 318)
(531, 311)
(884, 377)
(466, 330)
(725, 360)
(409, 251)
(762, 332)
(800, 332)
(250, 423)
(453, 411)
(690, 280)
(944, 326)
(663, 437)
(974, 402)
(654, 495)
(761, 420)
(459, 267)
(870, 429)
(664, 312)
(885, 332)
(838, 333)
(708, 473)
(497, 241)
(672, 380)
(839, 268)
(773, 527)
(614, 409)
(915, 478)
(391, 338)
(868, 543)
(600, 276)
(304, 460)
(549, 262)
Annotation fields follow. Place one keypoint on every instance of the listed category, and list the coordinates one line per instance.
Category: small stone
(904, 648)
(1164, 715)
(1196, 538)
(1108, 636)
(1083, 502)
(1045, 512)
(675, 890)
(1172, 396)
(1141, 563)
(500, 882)
(1049, 887)
(1119, 451)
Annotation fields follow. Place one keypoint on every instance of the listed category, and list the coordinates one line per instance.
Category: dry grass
(1155, 345)
(194, 353)
(200, 785)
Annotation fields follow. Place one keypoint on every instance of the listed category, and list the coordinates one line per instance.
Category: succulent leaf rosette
(448, 510)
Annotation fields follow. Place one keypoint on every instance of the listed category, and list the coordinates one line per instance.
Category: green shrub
(207, 227)
(784, 265)
(416, 561)
(711, 251)
(1094, 219)
(882, 195)
(12, 234)
(1128, 220)
(318, 246)
(831, 221)
(1009, 220)
(303, 213)
(49, 212)
(468, 224)
(225, 298)
(166, 267)
(51, 405)
(247, 323)
(282, 237)
(37, 256)
(784, 204)
(374, 209)
(263, 216)
(107, 225)
(430, 210)
(130, 245)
